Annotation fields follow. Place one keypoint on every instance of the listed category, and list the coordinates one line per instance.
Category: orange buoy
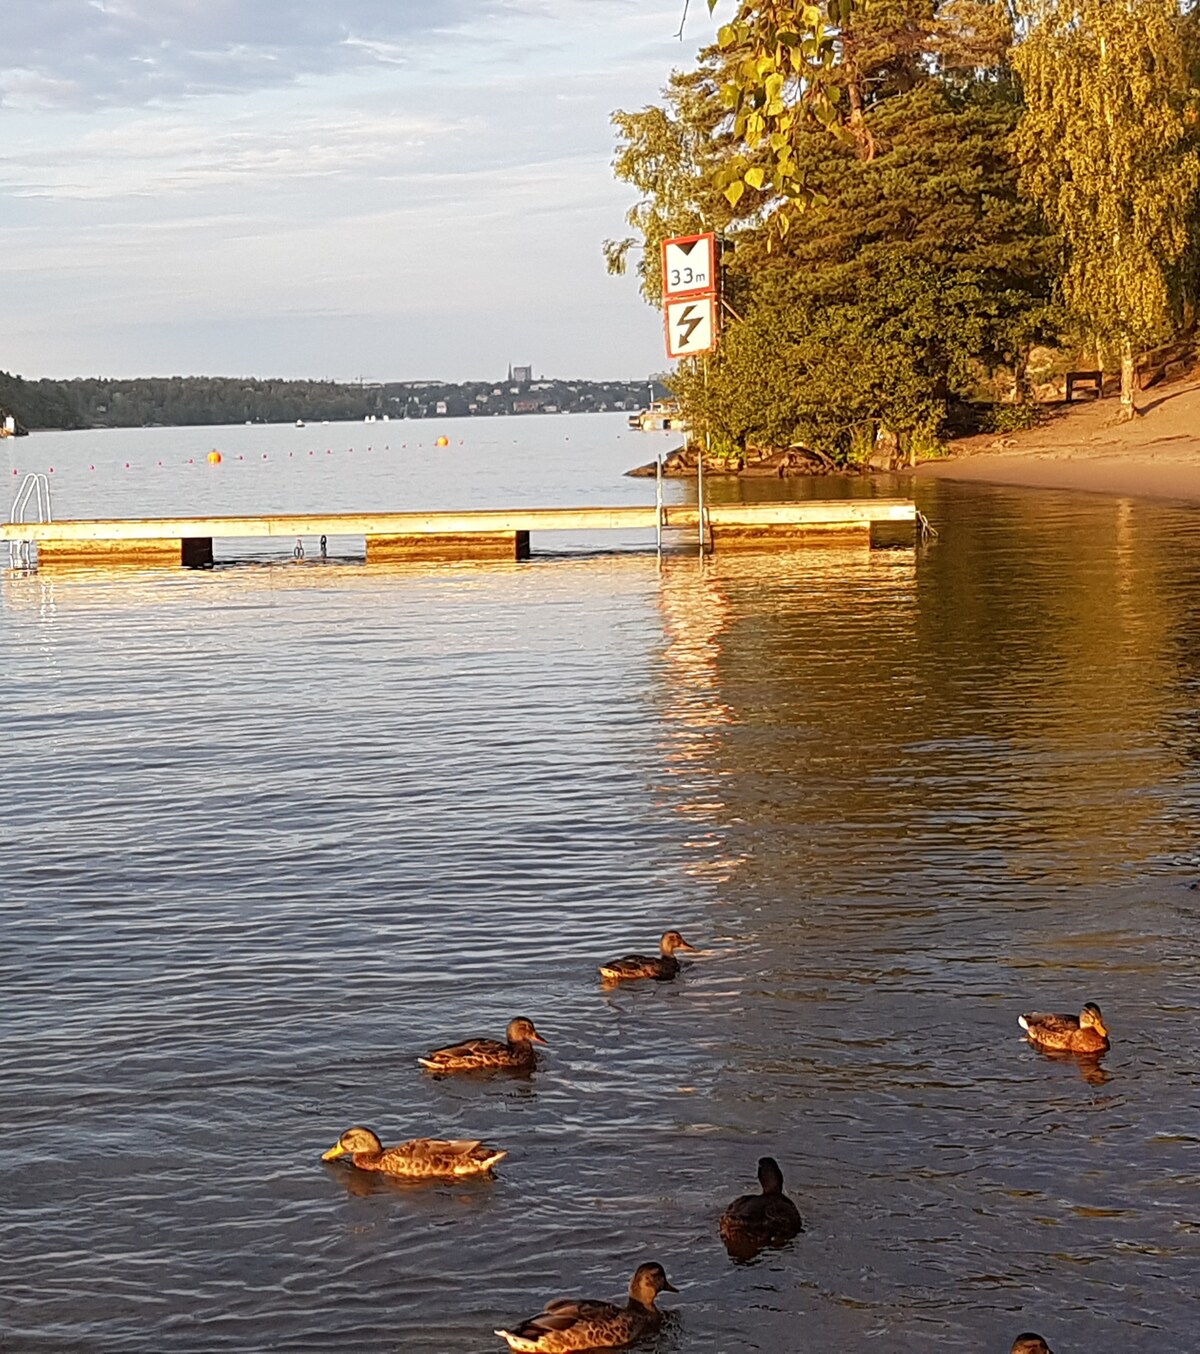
(214, 458)
(442, 442)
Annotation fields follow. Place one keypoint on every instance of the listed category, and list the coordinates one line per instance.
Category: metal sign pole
(703, 452)
(658, 506)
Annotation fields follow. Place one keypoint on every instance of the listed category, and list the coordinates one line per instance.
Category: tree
(917, 259)
(1105, 148)
(671, 154)
(776, 83)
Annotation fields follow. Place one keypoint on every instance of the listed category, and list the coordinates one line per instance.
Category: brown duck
(570, 1324)
(662, 966)
(766, 1219)
(473, 1055)
(418, 1159)
(1030, 1344)
(1065, 1033)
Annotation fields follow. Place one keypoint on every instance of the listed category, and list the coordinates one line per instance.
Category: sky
(326, 189)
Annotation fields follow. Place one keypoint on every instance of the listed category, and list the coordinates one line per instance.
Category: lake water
(273, 830)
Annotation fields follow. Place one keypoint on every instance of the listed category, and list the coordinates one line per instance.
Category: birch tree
(1104, 147)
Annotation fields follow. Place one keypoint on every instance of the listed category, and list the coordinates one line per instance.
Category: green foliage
(1012, 418)
(780, 77)
(917, 259)
(671, 154)
(40, 404)
(1107, 147)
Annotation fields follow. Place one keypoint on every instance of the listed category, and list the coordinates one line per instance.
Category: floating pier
(483, 535)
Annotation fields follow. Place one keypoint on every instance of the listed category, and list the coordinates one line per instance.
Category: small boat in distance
(299, 423)
(659, 416)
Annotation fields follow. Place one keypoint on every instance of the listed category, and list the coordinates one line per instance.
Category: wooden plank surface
(811, 512)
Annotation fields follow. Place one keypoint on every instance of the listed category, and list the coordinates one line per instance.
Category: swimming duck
(1087, 1034)
(476, 1054)
(420, 1158)
(570, 1324)
(1030, 1344)
(765, 1219)
(661, 966)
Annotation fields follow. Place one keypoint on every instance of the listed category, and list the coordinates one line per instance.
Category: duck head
(1090, 1018)
(648, 1282)
(770, 1177)
(521, 1031)
(1030, 1343)
(673, 941)
(354, 1140)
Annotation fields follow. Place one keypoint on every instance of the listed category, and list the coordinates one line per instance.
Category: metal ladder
(34, 486)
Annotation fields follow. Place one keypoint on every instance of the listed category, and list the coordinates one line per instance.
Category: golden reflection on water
(695, 612)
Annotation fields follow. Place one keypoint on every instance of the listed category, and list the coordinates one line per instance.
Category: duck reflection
(367, 1184)
(1087, 1065)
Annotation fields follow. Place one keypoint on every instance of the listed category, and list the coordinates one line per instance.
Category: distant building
(522, 375)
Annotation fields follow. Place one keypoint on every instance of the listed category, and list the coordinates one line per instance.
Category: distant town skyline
(389, 191)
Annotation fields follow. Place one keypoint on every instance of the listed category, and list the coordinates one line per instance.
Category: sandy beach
(1157, 455)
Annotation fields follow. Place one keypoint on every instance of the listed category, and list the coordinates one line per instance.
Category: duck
(662, 966)
(417, 1159)
(566, 1325)
(474, 1055)
(1029, 1343)
(1087, 1034)
(766, 1219)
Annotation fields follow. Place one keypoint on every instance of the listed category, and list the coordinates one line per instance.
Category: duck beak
(683, 945)
(536, 1038)
(337, 1150)
(668, 1286)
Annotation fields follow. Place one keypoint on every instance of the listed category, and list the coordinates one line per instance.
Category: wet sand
(1082, 448)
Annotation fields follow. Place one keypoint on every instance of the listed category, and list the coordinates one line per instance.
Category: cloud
(394, 185)
(168, 157)
(95, 53)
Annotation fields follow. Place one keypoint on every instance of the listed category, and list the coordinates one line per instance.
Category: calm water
(271, 831)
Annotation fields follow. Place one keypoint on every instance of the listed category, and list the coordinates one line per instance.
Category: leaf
(726, 36)
(734, 193)
(755, 177)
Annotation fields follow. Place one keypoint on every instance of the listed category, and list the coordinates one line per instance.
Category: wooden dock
(490, 534)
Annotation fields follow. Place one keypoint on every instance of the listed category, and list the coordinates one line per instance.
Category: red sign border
(711, 237)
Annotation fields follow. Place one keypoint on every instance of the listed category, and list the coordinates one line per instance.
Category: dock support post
(169, 552)
(770, 537)
(465, 545)
(195, 552)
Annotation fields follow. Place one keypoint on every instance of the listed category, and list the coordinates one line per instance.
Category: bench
(1094, 379)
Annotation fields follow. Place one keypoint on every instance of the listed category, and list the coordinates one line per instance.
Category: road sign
(689, 265)
(691, 326)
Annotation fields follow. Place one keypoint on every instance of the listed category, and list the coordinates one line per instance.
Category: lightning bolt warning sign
(691, 326)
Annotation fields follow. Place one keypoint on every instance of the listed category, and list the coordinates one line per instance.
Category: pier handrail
(34, 485)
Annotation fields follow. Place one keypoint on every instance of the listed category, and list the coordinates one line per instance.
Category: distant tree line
(914, 195)
(205, 400)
